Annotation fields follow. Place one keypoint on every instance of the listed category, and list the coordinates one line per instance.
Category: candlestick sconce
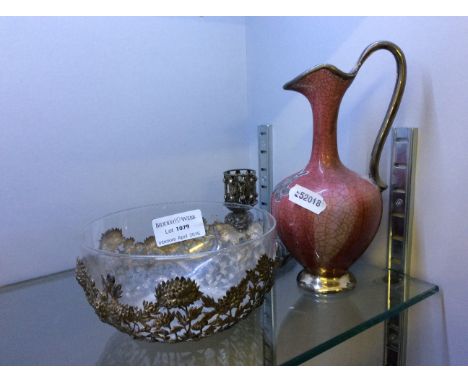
(240, 187)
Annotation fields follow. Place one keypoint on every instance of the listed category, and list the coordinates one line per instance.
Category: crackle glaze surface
(328, 243)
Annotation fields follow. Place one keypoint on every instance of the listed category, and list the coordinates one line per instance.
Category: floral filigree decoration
(111, 289)
(177, 293)
(180, 312)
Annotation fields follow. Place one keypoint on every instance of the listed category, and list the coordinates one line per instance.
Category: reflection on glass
(313, 320)
(239, 345)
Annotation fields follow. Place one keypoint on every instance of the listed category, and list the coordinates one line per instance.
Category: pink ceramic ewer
(327, 215)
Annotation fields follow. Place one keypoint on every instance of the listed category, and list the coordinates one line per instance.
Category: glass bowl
(182, 291)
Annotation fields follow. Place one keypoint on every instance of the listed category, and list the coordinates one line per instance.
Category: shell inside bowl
(182, 291)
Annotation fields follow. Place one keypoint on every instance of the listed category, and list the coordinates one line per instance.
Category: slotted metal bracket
(265, 177)
(403, 158)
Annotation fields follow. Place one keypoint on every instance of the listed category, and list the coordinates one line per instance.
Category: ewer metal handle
(392, 107)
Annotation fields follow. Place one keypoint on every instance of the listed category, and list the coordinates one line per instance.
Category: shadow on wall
(421, 328)
(427, 325)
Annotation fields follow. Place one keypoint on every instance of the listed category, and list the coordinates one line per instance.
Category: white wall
(102, 114)
(435, 102)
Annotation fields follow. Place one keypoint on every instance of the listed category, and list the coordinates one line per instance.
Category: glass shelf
(305, 325)
(47, 321)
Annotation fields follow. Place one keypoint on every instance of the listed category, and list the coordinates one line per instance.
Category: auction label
(307, 199)
(178, 227)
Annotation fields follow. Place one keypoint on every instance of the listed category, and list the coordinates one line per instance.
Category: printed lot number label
(307, 199)
(178, 227)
